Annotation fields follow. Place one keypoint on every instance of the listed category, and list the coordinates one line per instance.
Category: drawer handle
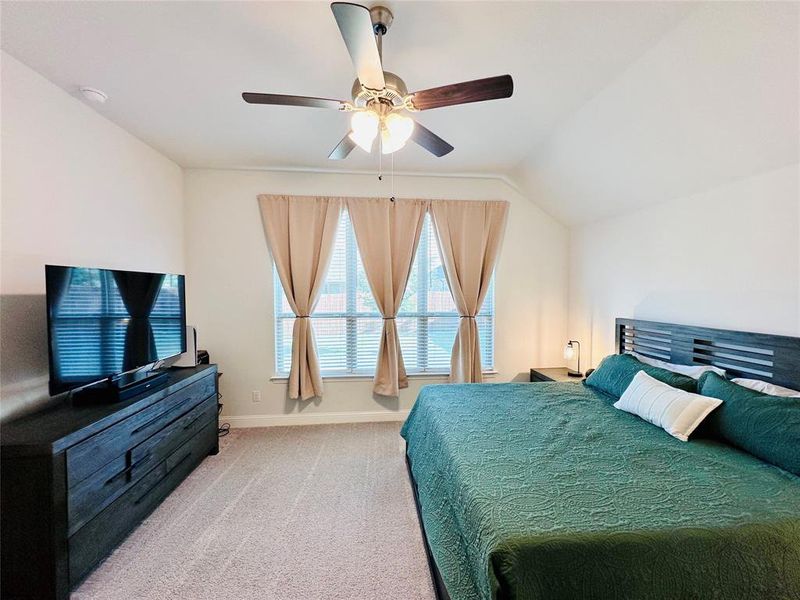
(192, 422)
(143, 496)
(161, 416)
(127, 470)
(146, 425)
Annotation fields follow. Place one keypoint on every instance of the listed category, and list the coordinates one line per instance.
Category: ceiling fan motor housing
(394, 92)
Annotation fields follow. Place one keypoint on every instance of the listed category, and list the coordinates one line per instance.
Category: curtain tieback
(389, 318)
(467, 316)
(302, 316)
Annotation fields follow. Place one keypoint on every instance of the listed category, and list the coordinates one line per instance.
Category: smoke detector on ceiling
(94, 95)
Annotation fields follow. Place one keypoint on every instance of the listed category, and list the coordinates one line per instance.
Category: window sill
(285, 378)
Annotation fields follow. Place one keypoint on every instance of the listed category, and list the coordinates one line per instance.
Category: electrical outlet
(256, 395)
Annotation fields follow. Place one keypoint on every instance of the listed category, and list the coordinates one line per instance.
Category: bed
(541, 491)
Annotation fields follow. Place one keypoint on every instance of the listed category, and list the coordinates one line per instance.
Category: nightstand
(553, 374)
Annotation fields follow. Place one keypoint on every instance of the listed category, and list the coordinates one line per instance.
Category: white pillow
(690, 371)
(766, 388)
(675, 411)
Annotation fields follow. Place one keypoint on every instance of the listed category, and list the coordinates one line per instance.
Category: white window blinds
(347, 324)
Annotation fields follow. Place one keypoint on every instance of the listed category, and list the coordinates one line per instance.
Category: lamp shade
(569, 351)
(395, 131)
(364, 128)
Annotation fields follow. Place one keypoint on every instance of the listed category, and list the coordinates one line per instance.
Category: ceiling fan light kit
(395, 129)
(381, 101)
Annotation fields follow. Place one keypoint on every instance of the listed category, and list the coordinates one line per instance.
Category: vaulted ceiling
(716, 100)
(174, 72)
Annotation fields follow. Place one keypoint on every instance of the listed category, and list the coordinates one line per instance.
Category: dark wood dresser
(77, 479)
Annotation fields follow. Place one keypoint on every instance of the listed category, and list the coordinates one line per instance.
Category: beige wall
(76, 189)
(727, 258)
(230, 300)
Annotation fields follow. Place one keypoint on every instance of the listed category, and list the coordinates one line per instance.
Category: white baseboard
(314, 418)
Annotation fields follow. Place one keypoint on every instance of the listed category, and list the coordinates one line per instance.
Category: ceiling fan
(380, 99)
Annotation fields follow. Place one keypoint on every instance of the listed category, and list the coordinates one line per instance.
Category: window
(347, 323)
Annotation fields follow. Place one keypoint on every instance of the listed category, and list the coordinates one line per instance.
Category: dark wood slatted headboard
(772, 358)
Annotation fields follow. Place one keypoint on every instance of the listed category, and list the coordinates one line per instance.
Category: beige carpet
(311, 513)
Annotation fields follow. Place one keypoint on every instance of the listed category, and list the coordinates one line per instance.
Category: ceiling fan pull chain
(392, 198)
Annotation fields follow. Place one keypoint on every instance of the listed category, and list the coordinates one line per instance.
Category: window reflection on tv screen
(104, 322)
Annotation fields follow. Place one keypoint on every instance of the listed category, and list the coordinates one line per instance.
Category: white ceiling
(716, 100)
(174, 71)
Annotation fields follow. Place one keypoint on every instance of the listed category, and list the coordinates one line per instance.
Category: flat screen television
(103, 323)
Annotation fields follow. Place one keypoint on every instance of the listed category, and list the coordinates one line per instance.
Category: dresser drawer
(162, 443)
(94, 493)
(98, 537)
(89, 456)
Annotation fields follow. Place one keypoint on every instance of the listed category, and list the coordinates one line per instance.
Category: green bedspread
(542, 491)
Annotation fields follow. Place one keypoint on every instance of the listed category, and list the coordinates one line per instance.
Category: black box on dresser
(76, 480)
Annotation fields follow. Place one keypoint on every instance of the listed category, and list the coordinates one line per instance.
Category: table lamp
(569, 353)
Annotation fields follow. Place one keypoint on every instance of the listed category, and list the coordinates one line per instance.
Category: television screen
(105, 322)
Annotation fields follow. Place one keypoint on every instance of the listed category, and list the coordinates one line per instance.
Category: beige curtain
(469, 235)
(300, 233)
(387, 234)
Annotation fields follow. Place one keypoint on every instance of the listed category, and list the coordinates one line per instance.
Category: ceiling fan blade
(343, 148)
(430, 141)
(355, 25)
(479, 90)
(254, 98)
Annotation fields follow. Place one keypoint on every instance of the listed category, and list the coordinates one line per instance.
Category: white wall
(727, 258)
(230, 300)
(76, 189)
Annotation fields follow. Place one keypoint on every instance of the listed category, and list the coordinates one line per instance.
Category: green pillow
(765, 426)
(616, 372)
